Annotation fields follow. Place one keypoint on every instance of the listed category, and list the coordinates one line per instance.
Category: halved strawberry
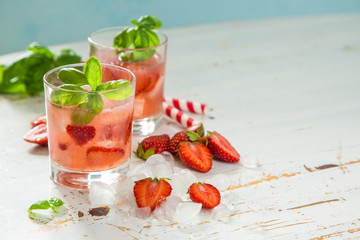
(81, 134)
(206, 194)
(37, 134)
(196, 155)
(221, 148)
(40, 119)
(101, 155)
(150, 192)
(152, 145)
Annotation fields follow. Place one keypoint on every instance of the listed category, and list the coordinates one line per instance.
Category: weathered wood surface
(284, 91)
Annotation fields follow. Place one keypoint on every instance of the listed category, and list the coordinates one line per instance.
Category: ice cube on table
(160, 166)
(181, 181)
(41, 216)
(219, 211)
(101, 194)
(187, 212)
(249, 161)
(167, 208)
(141, 213)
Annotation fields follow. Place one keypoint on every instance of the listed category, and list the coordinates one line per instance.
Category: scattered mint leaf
(56, 204)
(25, 76)
(39, 205)
(40, 49)
(66, 56)
(193, 136)
(95, 102)
(123, 89)
(139, 36)
(93, 73)
(76, 95)
(72, 76)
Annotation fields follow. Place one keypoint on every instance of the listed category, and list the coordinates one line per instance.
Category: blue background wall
(54, 22)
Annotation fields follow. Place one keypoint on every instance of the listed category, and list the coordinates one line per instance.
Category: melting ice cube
(187, 212)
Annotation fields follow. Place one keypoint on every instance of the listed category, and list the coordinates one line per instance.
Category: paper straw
(178, 116)
(185, 105)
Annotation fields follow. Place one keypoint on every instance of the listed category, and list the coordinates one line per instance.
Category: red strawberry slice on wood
(150, 192)
(196, 155)
(206, 194)
(38, 134)
(81, 134)
(40, 119)
(221, 148)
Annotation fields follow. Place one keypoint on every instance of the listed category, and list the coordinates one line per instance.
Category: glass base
(82, 180)
(146, 126)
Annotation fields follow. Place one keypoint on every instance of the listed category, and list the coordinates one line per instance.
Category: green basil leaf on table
(40, 49)
(39, 205)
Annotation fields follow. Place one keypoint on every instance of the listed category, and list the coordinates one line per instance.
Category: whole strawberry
(150, 192)
(196, 155)
(221, 148)
(152, 145)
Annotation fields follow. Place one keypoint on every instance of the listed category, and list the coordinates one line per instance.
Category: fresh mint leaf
(39, 205)
(121, 89)
(95, 102)
(56, 202)
(71, 95)
(66, 56)
(193, 136)
(93, 73)
(72, 76)
(141, 39)
(125, 38)
(40, 49)
(82, 115)
(149, 21)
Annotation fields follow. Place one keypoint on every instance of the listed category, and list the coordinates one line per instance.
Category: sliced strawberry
(99, 154)
(152, 145)
(206, 194)
(180, 137)
(81, 134)
(196, 155)
(40, 119)
(221, 148)
(151, 192)
(37, 134)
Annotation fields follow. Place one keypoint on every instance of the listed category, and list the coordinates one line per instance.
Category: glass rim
(90, 40)
(52, 86)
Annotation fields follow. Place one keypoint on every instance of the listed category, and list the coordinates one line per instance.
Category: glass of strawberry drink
(89, 111)
(112, 45)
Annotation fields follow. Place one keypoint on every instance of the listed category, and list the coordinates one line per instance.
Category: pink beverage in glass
(150, 76)
(97, 149)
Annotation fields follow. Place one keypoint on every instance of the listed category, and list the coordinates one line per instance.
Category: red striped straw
(185, 105)
(179, 116)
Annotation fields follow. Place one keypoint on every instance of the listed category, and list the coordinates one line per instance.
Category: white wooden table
(283, 91)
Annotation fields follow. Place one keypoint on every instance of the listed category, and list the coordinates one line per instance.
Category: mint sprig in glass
(89, 102)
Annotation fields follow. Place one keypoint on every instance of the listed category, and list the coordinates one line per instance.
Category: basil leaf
(125, 38)
(93, 73)
(141, 55)
(153, 38)
(76, 95)
(66, 56)
(56, 202)
(72, 76)
(40, 49)
(141, 39)
(82, 115)
(95, 102)
(149, 21)
(122, 89)
(39, 205)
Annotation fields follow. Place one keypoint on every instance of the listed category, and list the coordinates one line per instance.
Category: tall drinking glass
(150, 74)
(87, 144)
